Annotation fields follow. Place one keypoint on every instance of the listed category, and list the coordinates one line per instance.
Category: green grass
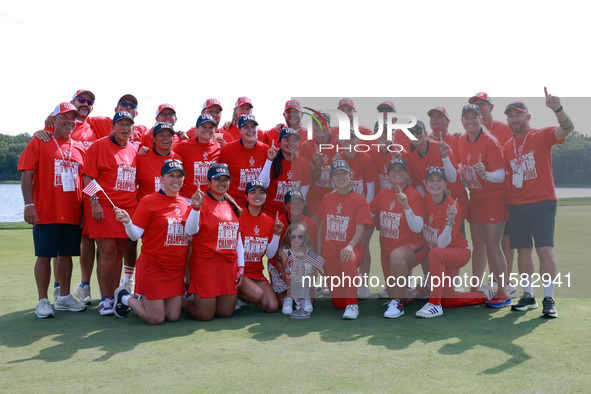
(467, 349)
(565, 202)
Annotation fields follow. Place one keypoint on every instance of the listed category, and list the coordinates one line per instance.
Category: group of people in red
(210, 203)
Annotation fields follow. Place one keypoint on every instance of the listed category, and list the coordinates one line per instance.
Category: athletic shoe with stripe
(351, 312)
(429, 310)
(488, 291)
(527, 301)
(308, 307)
(68, 303)
(105, 307)
(500, 300)
(549, 307)
(395, 309)
(83, 294)
(44, 309)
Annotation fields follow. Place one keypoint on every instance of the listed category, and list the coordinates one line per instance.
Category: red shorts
(212, 277)
(488, 210)
(107, 228)
(420, 250)
(156, 284)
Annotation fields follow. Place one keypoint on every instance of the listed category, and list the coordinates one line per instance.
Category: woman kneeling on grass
(448, 249)
(159, 221)
(217, 259)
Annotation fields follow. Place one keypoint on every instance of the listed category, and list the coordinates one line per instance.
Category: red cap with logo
(211, 102)
(292, 104)
(387, 104)
(480, 95)
(438, 109)
(346, 101)
(63, 108)
(162, 107)
(80, 91)
(243, 100)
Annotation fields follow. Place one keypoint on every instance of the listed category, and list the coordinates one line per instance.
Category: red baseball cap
(211, 102)
(480, 95)
(162, 107)
(387, 104)
(63, 108)
(80, 91)
(346, 101)
(438, 109)
(518, 105)
(243, 100)
(292, 104)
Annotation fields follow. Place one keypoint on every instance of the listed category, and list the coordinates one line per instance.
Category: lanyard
(62, 153)
(519, 152)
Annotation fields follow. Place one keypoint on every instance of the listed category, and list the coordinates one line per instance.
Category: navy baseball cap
(254, 184)
(162, 126)
(435, 171)
(287, 132)
(517, 105)
(397, 161)
(204, 118)
(471, 107)
(172, 165)
(339, 165)
(244, 119)
(122, 115)
(290, 195)
(217, 170)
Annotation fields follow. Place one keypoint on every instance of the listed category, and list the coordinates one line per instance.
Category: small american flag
(92, 188)
(311, 257)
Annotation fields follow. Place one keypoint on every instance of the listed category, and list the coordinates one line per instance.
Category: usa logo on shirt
(431, 219)
(392, 205)
(177, 210)
(339, 208)
(205, 155)
(289, 175)
(251, 161)
(256, 230)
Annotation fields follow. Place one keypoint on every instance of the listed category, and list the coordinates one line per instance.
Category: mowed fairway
(467, 349)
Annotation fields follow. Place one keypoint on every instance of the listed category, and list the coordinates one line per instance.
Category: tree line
(571, 160)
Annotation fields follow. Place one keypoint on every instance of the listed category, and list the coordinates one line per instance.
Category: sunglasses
(299, 236)
(82, 100)
(126, 104)
(417, 132)
(173, 161)
(385, 110)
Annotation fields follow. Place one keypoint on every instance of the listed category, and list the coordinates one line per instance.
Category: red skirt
(212, 277)
(107, 228)
(156, 284)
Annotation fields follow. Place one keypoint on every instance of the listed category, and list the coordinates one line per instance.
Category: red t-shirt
(487, 147)
(536, 164)
(103, 126)
(218, 230)
(501, 131)
(53, 204)
(340, 214)
(271, 135)
(418, 164)
(148, 172)
(114, 167)
(394, 230)
(257, 232)
(363, 171)
(435, 220)
(450, 139)
(197, 158)
(82, 133)
(164, 242)
(245, 165)
(232, 133)
(294, 175)
(381, 162)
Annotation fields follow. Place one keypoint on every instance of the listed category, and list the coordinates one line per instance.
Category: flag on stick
(93, 188)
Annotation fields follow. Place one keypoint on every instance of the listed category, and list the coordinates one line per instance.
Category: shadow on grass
(473, 326)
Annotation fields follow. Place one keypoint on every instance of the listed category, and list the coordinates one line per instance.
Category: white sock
(549, 289)
(528, 288)
(128, 273)
(124, 299)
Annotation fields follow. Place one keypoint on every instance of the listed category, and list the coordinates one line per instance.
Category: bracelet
(351, 245)
(558, 110)
(29, 205)
(450, 224)
(93, 198)
(93, 203)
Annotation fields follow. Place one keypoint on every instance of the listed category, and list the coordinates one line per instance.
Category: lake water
(12, 207)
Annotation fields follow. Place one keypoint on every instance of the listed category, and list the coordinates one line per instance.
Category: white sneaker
(325, 291)
(395, 310)
(351, 312)
(83, 294)
(239, 304)
(459, 289)
(308, 307)
(129, 285)
(287, 306)
(363, 292)
(44, 309)
(488, 291)
(106, 307)
(56, 294)
(429, 310)
(69, 303)
(512, 291)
